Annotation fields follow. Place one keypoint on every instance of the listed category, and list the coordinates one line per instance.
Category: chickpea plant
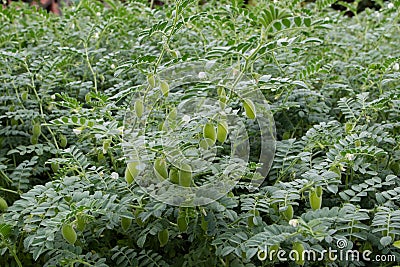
(198, 134)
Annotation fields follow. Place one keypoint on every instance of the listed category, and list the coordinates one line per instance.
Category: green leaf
(386, 240)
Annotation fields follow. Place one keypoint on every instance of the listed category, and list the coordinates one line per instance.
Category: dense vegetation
(66, 82)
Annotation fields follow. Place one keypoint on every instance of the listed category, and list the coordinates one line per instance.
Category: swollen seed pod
(80, 222)
(251, 221)
(164, 88)
(185, 175)
(299, 255)
(3, 205)
(63, 141)
(348, 127)
(139, 108)
(288, 213)
(69, 233)
(249, 109)
(163, 237)
(34, 140)
(286, 135)
(128, 177)
(24, 96)
(131, 171)
(106, 145)
(160, 168)
(357, 143)
(174, 176)
(222, 131)
(36, 129)
(126, 223)
(182, 223)
(315, 200)
(151, 80)
(175, 53)
(222, 97)
(55, 167)
(88, 98)
(138, 220)
(209, 132)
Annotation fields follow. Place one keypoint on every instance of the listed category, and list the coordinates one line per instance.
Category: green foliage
(333, 87)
